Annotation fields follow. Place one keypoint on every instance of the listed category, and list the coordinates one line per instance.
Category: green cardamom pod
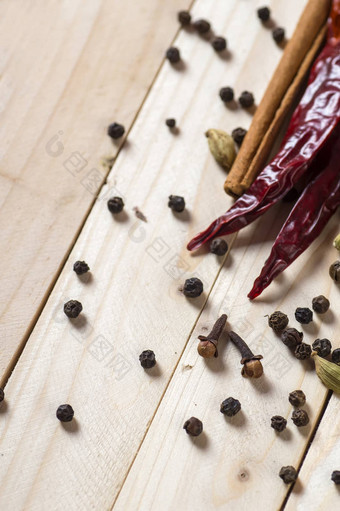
(222, 147)
(328, 372)
(336, 242)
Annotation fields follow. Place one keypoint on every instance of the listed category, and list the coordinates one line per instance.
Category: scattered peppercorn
(202, 26)
(176, 203)
(171, 123)
(226, 94)
(65, 413)
(300, 418)
(297, 398)
(115, 130)
(219, 43)
(278, 34)
(218, 247)
(2, 395)
(288, 474)
(80, 267)
(278, 423)
(303, 351)
(147, 359)
(303, 315)
(320, 304)
(334, 271)
(173, 55)
(336, 356)
(336, 476)
(291, 337)
(193, 426)
(193, 287)
(263, 13)
(115, 205)
(184, 17)
(323, 347)
(278, 321)
(230, 406)
(246, 99)
(73, 308)
(238, 135)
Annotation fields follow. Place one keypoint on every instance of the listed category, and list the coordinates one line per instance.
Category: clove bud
(207, 346)
(252, 366)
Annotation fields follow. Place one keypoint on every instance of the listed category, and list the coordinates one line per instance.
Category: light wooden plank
(67, 70)
(314, 489)
(236, 462)
(133, 301)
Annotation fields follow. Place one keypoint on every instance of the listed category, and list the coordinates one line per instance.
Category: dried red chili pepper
(312, 123)
(308, 217)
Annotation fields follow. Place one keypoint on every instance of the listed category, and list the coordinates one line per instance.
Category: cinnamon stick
(277, 100)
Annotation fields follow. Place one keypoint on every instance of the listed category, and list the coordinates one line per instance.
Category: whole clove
(297, 398)
(207, 346)
(193, 426)
(252, 366)
(278, 321)
(288, 474)
(320, 304)
(300, 418)
(291, 337)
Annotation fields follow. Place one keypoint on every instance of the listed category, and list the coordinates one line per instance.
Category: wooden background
(68, 69)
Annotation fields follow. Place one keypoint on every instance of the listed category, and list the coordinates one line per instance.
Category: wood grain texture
(67, 70)
(133, 302)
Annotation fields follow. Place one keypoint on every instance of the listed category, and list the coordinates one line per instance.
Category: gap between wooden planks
(68, 69)
(113, 410)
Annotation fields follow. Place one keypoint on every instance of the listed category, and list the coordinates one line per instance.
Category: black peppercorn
(226, 94)
(193, 426)
(278, 321)
(303, 315)
(246, 99)
(263, 13)
(115, 205)
(73, 308)
(300, 418)
(238, 135)
(65, 413)
(2, 395)
(334, 271)
(218, 247)
(320, 304)
(278, 34)
(173, 55)
(288, 474)
(303, 351)
(193, 287)
(230, 406)
(219, 43)
(184, 17)
(147, 359)
(278, 423)
(171, 123)
(323, 347)
(297, 398)
(115, 130)
(176, 203)
(202, 26)
(291, 337)
(336, 356)
(336, 476)
(80, 267)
